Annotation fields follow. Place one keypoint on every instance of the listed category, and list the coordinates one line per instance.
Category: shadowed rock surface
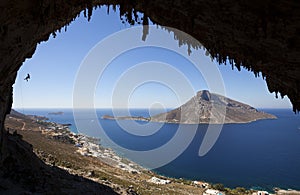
(25, 173)
(208, 107)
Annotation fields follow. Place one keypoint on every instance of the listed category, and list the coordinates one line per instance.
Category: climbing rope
(21, 93)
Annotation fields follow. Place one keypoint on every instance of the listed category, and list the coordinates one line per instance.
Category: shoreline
(62, 133)
(111, 157)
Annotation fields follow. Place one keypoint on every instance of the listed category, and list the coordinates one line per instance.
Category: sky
(55, 64)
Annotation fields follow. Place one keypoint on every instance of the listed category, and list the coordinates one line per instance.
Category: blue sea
(261, 155)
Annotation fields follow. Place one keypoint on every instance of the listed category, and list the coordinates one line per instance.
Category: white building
(262, 193)
(212, 192)
(200, 184)
(159, 181)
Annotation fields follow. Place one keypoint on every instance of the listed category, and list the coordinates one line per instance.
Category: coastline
(90, 149)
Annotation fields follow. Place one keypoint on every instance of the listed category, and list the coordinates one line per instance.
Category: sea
(259, 155)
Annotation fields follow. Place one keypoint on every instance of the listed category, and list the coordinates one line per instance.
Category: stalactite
(84, 13)
(108, 7)
(145, 27)
(89, 8)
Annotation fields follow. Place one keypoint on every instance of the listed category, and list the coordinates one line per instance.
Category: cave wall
(24, 24)
(260, 35)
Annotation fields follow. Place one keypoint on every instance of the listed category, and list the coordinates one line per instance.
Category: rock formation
(208, 107)
(205, 108)
(261, 36)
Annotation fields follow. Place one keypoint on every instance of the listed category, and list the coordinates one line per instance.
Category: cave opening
(275, 81)
(55, 63)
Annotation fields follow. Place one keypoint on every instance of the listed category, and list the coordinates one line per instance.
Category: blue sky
(54, 66)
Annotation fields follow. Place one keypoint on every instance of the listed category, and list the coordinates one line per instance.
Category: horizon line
(128, 108)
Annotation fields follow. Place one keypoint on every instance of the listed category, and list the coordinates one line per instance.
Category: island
(204, 108)
(138, 118)
(56, 113)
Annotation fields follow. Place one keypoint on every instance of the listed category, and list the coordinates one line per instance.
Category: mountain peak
(204, 95)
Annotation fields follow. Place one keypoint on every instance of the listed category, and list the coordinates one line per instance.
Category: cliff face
(208, 107)
(261, 36)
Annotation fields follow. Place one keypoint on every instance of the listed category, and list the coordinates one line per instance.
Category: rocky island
(205, 107)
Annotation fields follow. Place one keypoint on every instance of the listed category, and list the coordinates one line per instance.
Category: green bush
(241, 190)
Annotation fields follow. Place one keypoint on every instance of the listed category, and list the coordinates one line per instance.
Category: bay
(263, 154)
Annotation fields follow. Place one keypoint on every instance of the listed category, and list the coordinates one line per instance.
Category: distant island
(137, 118)
(55, 113)
(204, 108)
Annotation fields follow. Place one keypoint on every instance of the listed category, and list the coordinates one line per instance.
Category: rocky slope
(58, 166)
(25, 173)
(208, 107)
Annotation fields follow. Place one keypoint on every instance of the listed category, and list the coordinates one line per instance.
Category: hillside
(205, 108)
(208, 107)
